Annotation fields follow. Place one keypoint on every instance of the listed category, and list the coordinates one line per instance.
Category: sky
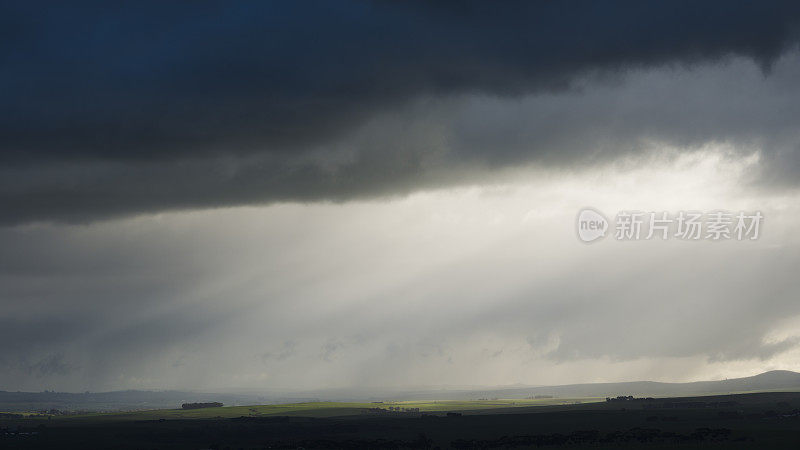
(352, 194)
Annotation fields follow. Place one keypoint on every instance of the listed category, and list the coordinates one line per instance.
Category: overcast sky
(347, 194)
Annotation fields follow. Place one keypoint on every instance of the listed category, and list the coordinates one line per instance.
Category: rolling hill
(777, 380)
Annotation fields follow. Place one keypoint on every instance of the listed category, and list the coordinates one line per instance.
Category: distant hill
(768, 381)
(777, 380)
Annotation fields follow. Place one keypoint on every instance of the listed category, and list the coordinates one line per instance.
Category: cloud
(115, 110)
(50, 365)
(472, 286)
(286, 351)
(480, 130)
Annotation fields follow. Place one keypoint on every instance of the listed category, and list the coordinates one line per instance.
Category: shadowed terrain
(777, 380)
(748, 420)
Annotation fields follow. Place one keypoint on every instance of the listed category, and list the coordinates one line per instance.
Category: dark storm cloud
(111, 109)
(50, 365)
(387, 294)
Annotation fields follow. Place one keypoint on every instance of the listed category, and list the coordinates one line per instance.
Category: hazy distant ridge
(774, 380)
(128, 400)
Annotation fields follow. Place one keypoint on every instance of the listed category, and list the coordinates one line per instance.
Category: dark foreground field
(759, 420)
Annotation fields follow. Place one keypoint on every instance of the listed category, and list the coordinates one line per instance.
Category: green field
(741, 421)
(327, 409)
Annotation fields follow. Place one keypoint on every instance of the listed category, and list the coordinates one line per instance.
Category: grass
(762, 420)
(323, 409)
(330, 409)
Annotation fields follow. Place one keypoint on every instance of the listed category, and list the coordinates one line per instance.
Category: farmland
(327, 409)
(756, 420)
